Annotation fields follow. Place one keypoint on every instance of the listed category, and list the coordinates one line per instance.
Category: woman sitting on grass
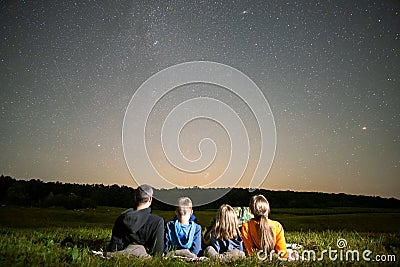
(224, 240)
(261, 233)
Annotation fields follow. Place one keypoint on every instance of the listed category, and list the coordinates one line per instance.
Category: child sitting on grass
(224, 240)
(183, 237)
(261, 233)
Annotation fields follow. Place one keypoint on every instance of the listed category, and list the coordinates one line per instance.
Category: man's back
(138, 227)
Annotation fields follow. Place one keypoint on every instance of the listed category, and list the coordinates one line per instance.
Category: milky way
(329, 69)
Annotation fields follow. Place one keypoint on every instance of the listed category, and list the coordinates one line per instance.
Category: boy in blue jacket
(183, 235)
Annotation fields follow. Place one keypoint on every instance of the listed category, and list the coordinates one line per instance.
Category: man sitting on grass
(137, 232)
(183, 236)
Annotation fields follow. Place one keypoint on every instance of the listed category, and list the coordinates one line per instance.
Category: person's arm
(168, 243)
(280, 244)
(241, 246)
(247, 241)
(215, 244)
(116, 239)
(196, 247)
(115, 243)
(159, 237)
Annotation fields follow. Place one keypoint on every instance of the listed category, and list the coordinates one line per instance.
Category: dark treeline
(76, 196)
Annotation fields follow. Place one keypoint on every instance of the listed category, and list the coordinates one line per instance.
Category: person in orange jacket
(261, 233)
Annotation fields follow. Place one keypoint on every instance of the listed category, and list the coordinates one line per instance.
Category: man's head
(143, 196)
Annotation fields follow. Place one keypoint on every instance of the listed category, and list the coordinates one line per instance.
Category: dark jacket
(138, 227)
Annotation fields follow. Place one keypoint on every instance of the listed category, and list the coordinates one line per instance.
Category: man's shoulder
(127, 211)
(132, 212)
(155, 217)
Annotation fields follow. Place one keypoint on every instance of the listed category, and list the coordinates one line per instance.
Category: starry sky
(329, 70)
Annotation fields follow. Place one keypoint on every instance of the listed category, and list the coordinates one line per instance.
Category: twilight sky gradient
(329, 70)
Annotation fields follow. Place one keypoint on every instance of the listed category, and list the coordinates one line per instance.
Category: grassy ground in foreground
(66, 246)
(59, 237)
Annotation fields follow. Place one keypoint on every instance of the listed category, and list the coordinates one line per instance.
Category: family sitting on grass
(139, 233)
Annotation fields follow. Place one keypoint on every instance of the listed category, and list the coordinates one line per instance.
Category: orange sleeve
(280, 242)
(247, 240)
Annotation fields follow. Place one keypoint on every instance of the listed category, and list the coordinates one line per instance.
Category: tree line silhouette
(77, 196)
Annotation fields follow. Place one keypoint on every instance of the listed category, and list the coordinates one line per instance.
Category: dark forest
(77, 196)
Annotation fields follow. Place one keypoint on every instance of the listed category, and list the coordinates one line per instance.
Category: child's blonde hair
(259, 206)
(226, 223)
(184, 206)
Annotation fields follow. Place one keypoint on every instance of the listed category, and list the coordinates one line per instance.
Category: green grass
(59, 237)
(72, 247)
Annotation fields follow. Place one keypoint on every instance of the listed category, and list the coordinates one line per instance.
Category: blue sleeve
(168, 243)
(241, 247)
(193, 218)
(214, 243)
(196, 247)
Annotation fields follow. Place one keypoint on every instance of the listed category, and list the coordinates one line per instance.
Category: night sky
(329, 70)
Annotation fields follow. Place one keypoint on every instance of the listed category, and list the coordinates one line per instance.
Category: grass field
(59, 237)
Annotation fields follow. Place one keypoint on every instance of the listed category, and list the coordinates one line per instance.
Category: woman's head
(226, 223)
(259, 206)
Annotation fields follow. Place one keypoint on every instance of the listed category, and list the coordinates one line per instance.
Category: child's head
(259, 206)
(184, 208)
(226, 223)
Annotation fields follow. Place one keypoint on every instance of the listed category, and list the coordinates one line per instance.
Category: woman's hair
(226, 223)
(259, 206)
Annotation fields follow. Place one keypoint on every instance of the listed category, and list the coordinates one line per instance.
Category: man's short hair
(143, 194)
(184, 205)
